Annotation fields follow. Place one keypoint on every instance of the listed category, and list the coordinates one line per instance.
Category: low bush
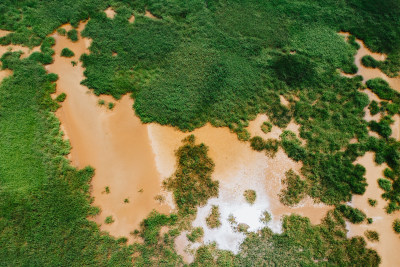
(385, 184)
(295, 190)
(196, 234)
(396, 226)
(250, 196)
(372, 236)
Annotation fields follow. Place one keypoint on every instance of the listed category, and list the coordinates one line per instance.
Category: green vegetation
(396, 226)
(107, 190)
(370, 62)
(303, 244)
(202, 61)
(382, 89)
(44, 202)
(196, 234)
(372, 236)
(111, 105)
(191, 184)
(352, 214)
(66, 52)
(370, 220)
(373, 107)
(266, 127)
(109, 220)
(72, 35)
(101, 102)
(61, 97)
(213, 219)
(250, 196)
(372, 202)
(295, 190)
(266, 217)
(385, 184)
(270, 145)
(126, 200)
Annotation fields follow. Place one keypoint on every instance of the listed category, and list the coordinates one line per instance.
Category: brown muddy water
(114, 142)
(389, 243)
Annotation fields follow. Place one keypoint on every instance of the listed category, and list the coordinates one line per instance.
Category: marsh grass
(213, 219)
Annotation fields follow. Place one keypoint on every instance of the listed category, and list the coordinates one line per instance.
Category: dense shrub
(295, 190)
(370, 62)
(61, 97)
(373, 107)
(72, 35)
(66, 52)
(382, 89)
(396, 226)
(352, 214)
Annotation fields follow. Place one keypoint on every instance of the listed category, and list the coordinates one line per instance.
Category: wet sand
(114, 142)
(389, 243)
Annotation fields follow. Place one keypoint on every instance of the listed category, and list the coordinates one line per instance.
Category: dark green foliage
(257, 143)
(292, 146)
(383, 127)
(52, 77)
(352, 214)
(385, 184)
(370, 220)
(61, 97)
(382, 89)
(352, 41)
(396, 226)
(370, 62)
(192, 184)
(295, 70)
(66, 52)
(372, 202)
(44, 202)
(295, 189)
(111, 105)
(373, 107)
(72, 35)
(302, 244)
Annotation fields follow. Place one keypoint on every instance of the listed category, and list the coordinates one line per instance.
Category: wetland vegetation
(201, 61)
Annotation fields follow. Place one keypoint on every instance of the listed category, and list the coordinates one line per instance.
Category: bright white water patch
(232, 202)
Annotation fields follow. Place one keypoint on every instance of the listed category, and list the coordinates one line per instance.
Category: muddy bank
(114, 142)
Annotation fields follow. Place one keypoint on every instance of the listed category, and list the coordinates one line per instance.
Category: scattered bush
(109, 220)
(111, 105)
(372, 202)
(372, 236)
(250, 196)
(396, 226)
(101, 102)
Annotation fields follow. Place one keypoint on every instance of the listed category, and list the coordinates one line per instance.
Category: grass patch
(372, 236)
(295, 190)
(191, 184)
(213, 219)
